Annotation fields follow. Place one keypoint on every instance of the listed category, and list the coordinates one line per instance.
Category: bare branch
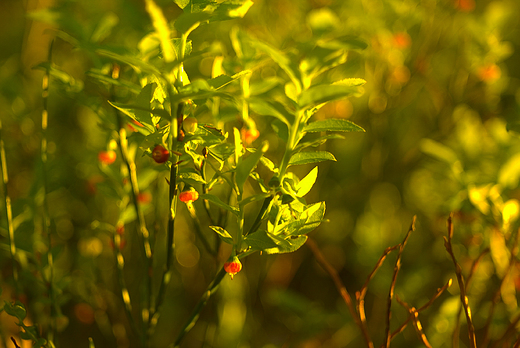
(462, 287)
(341, 288)
(397, 267)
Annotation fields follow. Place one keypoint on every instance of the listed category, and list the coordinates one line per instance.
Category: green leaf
(246, 165)
(190, 176)
(104, 27)
(254, 198)
(313, 216)
(282, 60)
(16, 310)
(259, 241)
(215, 200)
(319, 141)
(333, 125)
(162, 29)
(231, 9)
(271, 108)
(223, 80)
(137, 64)
(287, 245)
(325, 93)
(310, 157)
(305, 184)
(182, 3)
(223, 234)
(189, 21)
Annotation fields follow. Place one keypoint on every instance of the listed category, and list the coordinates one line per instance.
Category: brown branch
(414, 314)
(14, 342)
(455, 336)
(462, 287)
(397, 267)
(341, 288)
(422, 308)
(360, 295)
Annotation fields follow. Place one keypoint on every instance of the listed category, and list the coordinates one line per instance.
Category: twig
(422, 308)
(14, 342)
(496, 297)
(360, 295)
(462, 287)
(45, 205)
(198, 230)
(397, 267)
(9, 212)
(198, 308)
(418, 326)
(142, 230)
(468, 283)
(341, 288)
(125, 295)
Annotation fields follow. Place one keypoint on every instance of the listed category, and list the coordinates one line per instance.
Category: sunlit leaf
(305, 184)
(333, 125)
(163, 30)
(287, 245)
(247, 164)
(260, 240)
(325, 93)
(215, 200)
(311, 157)
(223, 234)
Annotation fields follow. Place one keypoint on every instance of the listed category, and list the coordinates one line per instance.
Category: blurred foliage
(440, 109)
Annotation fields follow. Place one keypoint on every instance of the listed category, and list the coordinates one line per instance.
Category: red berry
(233, 267)
(160, 154)
(107, 157)
(189, 196)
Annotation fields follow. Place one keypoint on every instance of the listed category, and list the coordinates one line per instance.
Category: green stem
(9, 212)
(198, 308)
(46, 218)
(198, 230)
(143, 231)
(291, 144)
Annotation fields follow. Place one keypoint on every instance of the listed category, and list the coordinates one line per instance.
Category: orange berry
(233, 267)
(107, 157)
(189, 196)
(249, 135)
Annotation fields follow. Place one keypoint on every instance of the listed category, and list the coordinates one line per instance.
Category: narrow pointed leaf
(311, 157)
(333, 125)
(223, 234)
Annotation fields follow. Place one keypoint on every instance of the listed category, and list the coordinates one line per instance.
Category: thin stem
(340, 287)
(142, 229)
(45, 211)
(125, 295)
(190, 323)
(9, 212)
(198, 229)
(397, 267)
(418, 326)
(462, 287)
(422, 308)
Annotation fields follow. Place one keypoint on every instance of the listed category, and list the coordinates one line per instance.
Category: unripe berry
(160, 154)
(233, 267)
(107, 157)
(189, 196)
(190, 125)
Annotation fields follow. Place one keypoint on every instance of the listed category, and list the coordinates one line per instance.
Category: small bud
(233, 267)
(249, 135)
(160, 154)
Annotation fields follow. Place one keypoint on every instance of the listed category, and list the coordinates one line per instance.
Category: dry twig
(414, 314)
(397, 267)
(341, 288)
(462, 287)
